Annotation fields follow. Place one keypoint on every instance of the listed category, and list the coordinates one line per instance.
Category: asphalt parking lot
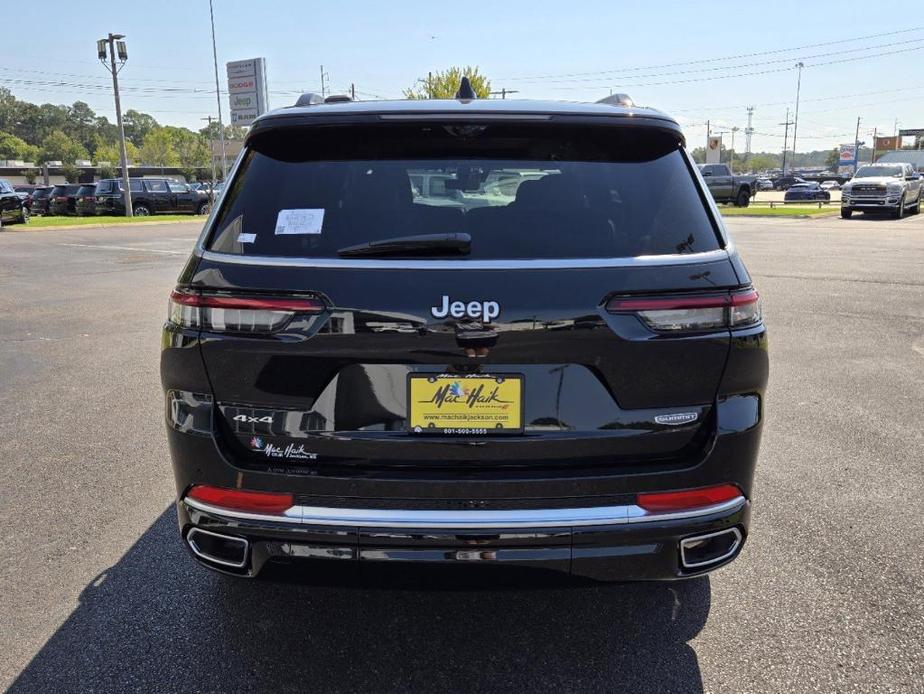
(97, 594)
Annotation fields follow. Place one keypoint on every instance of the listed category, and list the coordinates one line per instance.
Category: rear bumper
(614, 543)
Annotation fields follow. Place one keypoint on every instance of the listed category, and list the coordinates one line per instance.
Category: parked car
(892, 188)
(830, 185)
(12, 207)
(571, 380)
(764, 184)
(64, 199)
(25, 190)
(150, 196)
(41, 199)
(786, 182)
(806, 191)
(86, 200)
(726, 187)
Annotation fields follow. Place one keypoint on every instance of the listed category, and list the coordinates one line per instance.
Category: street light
(115, 47)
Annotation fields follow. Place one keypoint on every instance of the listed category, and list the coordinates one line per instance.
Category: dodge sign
(247, 90)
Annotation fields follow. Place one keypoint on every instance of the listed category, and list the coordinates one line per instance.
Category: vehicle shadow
(157, 622)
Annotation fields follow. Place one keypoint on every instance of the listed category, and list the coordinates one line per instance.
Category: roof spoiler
(617, 100)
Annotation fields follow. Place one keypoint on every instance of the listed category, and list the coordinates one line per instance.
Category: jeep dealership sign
(247, 90)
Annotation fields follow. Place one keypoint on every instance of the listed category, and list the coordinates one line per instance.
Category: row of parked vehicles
(106, 197)
(726, 187)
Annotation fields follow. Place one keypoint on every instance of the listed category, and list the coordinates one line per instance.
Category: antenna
(465, 90)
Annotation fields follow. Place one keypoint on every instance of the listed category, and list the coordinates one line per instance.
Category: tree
(59, 147)
(232, 132)
(762, 162)
(81, 125)
(191, 148)
(71, 173)
(445, 84)
(29, 175)
(137, 125)
(834, 156)
(12, 147)
(109, 152)
(158, 148)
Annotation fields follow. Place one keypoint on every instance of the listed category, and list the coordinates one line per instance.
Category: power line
(775, 51)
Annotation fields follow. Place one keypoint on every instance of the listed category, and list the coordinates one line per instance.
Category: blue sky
(557, 50)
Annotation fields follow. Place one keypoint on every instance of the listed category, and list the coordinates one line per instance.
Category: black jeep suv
(150, 196)
(465, 332)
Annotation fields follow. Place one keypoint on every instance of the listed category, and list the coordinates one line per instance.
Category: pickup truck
(726, 187)
(894, 188)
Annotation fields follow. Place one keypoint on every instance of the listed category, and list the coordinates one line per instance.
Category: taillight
(687, 499)
(692, 313)
(237, 314)
(241, 499)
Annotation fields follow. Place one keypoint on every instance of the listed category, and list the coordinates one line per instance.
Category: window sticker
(246, 238)
(299, 221)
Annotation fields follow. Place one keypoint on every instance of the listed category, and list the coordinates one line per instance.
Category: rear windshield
(42, 192)
(86, 190)
(65, 190)
(518, 191)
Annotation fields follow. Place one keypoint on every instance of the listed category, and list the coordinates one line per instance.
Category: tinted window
(86, 190)
(156, 186)
(520, 191)
(42, 192)
(104, 187)
(868, 171)
(134, 185)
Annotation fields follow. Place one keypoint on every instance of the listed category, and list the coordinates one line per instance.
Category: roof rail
(617, 100)
(337, 99)
(465, 89)
(309, 99)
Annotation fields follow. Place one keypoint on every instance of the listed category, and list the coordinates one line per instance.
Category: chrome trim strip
(465, 519)
(199, 553)
(714, 560)
(511, 264)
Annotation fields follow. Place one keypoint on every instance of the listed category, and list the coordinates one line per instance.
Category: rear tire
(24, 215)
(917, 206)
(846, 214)
(743, 199)
(203, 208)
(141, 211)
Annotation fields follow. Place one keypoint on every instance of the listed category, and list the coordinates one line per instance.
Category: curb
(26, 227)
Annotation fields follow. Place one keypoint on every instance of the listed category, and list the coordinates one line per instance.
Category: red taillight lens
(688, 498)
(225, 313)
(692, 313)
(241, 499)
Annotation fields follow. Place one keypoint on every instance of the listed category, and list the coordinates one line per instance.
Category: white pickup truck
(892, 187)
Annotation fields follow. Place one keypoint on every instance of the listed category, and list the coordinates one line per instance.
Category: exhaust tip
(225, 550)
(700, 551)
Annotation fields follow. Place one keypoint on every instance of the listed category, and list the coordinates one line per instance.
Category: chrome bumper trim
(466, 520)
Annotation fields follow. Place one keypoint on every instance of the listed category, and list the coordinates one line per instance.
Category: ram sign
(247, 90)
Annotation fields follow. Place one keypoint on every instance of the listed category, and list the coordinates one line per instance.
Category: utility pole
(748, 131)
(787, 123)
(324, 77)
(856, 147)
(795, 125)
(353, 91)
(895, 134)
(212, 157)
(872, 155)
(731, 157)
(504, 92)
(221, 127)
(114, 44)
(429, 85)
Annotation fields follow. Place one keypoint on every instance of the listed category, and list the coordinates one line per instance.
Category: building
(915, 157)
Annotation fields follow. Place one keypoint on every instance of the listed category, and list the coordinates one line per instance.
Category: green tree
(191, 148)
(137, 126)
(109, 152)
(444, 84)
(57, 146)
(12, 147)
(158, 148)
(30, 175)
(834, 156)
(81, 125)
(232, 132)
(71, 173)
(762, 162)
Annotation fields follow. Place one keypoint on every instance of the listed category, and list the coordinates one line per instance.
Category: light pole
(212, 158)
(113, 45)
(221, 127)
(795, 124)
(787, 123)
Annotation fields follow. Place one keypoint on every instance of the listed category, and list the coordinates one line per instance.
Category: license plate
(449, 404)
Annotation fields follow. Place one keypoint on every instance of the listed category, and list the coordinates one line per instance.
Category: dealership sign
(848, 154)
(247, 90)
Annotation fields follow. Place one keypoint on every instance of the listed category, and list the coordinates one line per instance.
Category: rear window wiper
(422, 244)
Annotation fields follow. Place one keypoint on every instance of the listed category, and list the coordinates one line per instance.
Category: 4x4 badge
(485, 311)
(673, 420)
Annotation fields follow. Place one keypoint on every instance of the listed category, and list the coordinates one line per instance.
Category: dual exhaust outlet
(696, 552)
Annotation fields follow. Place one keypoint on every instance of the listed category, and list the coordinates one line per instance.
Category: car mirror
(707, 173)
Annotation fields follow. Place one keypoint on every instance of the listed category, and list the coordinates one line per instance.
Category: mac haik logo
(485, 311)
(291, 451)
(456, 392)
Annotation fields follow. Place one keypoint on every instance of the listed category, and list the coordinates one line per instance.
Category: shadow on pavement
(156, 621)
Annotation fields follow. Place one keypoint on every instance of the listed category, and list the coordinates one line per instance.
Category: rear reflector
(692, 313)
(225, 313)
(241, 499)
(688, 498)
